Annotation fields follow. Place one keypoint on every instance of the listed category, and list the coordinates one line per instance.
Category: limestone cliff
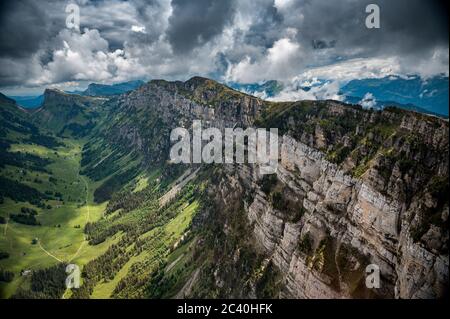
(353, 187)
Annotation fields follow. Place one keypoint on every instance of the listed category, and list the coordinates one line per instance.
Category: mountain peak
(201, 90)
(56, 97)
(199, 80)
(51, 92)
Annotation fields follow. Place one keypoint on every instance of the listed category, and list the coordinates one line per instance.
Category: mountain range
(93, 89)
(428, 96)
(87, 180)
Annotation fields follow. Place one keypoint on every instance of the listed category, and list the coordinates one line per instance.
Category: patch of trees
(2, 220)
(159, 284)
(124, 200)
(78, 130)
(128, 201)
(97, 234)
(269, 285)
(104, 267)
(283, 202)
(20, 192)
(54, 195)
(97, 170)
(22, 160)
(3, 255)
(298, 214)
(113, 184)
(6, 275)
(28, 211)
(46, 283)
(43, 140)
(14, 123)
(25, 218)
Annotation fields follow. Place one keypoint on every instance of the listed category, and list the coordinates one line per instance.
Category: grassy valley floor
(59, 237)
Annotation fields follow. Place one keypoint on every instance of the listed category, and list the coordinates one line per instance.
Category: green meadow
(60, 236)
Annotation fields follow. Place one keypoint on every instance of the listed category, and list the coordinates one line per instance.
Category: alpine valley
(85, 179)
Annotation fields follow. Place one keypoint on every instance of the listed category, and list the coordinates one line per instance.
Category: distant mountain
(64, 113)
(95, 89)
(265, 89)
(430, 94)
(29, 102)
(383, 104)
(414, 93)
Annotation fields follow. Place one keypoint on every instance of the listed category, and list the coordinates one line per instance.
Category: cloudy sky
(228, 40)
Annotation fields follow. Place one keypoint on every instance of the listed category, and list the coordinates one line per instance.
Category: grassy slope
(59, 238)
(160, 240)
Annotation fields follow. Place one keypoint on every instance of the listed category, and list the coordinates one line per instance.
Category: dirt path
(48, 253)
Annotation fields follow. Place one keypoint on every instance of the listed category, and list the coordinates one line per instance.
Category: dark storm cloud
(407, 26)
(266, 29)
(195, 22)
(24, 26)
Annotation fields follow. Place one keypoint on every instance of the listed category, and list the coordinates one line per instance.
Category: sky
(227, 40)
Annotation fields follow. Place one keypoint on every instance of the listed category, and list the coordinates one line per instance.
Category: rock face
(354, 188)
(351, 214)
(198, 98)
(142, 119)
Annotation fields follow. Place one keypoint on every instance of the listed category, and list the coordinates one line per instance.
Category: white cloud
(368, 101)
(86, 57)
(435, 62)
(283, 4)
(279, 62)
(325, 91)
(360, 68)
(325, 82)
(138, 29)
